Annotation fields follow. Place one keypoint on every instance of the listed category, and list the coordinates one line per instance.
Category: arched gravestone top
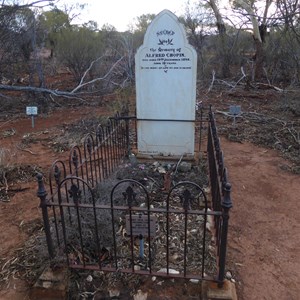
(166, 67)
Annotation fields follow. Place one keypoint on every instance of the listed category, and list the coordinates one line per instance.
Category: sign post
(235, 111)
(139, 227)
(32, 111)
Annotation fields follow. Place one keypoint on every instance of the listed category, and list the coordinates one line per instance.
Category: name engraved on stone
(166, 57)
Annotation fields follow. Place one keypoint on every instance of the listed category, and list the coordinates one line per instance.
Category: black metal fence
(94, 222)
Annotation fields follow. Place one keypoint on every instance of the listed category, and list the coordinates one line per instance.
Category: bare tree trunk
(259, 59)
(225, 55)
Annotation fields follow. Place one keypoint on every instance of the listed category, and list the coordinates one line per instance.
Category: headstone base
(51, 285)
(211, 291)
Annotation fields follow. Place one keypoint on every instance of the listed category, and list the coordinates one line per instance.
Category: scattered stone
(171, 271)
(137, 268)
(156, 164)
(140, 295)
(132, 159)
(114, 293)
(161, 170)
(228, 275)
(194, 281)
(52, 284)
(153, 278)
(185, 167)
(89, 278)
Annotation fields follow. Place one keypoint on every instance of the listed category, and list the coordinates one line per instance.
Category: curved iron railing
(74, 187)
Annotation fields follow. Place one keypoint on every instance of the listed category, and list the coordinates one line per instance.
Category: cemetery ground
(261, 154)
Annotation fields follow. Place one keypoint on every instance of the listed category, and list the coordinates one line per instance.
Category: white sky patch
(121, 13)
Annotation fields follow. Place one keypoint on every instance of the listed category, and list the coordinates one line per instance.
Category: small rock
(171, 271)
(185, 167)
(140, 295)
(132, 159)
(47, 284)
(153, 278)
(161, 170)
(89, 278)
(156, 164)
(232, 280)
(114, 293)
(228, 275)
(194, 281)
(136, 268)
(174, 257)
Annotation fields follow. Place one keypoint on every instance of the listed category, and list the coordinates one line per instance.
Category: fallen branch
(80, 86)
(244, 76)
(74, 94)
(26, 150)
(269, 86)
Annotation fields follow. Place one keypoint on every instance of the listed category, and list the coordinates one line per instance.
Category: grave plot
(167, 216)
(145, 218)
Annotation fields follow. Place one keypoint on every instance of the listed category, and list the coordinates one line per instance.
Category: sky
(120, 13)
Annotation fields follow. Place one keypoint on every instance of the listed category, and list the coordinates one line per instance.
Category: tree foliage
(259, 37)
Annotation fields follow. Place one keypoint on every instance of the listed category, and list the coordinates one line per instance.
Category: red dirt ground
(264, 234)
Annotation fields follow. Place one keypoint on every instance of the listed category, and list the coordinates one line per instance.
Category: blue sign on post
(235, 111)
(32, 111)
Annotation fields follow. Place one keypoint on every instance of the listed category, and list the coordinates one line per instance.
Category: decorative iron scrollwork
(186, 199)
(129, 196)
(57, 174)
(75, 193)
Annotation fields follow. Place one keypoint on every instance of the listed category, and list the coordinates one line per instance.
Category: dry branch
(74, 94)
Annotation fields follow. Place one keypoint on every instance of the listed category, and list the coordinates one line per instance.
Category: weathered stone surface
(166, 89)
(140, 295)
(51, 285)
(211, 291)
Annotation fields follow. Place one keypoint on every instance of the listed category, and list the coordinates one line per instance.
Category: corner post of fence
(42, 194)
(226, 205)
(127, 136)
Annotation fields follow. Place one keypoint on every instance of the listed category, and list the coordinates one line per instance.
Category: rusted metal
(74, 199)
(42, 194)
(221, 200)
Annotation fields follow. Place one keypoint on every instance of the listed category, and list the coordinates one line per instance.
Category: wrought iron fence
(122, 226)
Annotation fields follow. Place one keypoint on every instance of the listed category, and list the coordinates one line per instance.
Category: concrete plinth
(51, 285)
(211, 291)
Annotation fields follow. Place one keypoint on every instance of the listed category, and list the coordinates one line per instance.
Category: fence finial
(41, 192)
(226, 202)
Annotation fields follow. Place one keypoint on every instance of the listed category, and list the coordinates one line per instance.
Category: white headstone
(166, 67)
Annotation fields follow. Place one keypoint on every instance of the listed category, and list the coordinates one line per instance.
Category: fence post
(127, 137)
(226, 205)
(42, 194)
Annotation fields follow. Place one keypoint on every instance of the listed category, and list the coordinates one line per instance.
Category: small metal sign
(31, 110)
(235, 110)
(140, 225)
